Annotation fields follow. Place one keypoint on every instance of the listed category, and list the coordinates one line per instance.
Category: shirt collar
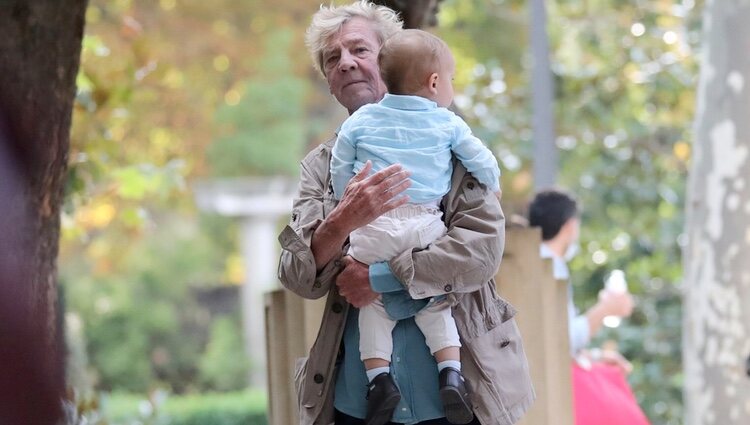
(407, 102)
(559, 266)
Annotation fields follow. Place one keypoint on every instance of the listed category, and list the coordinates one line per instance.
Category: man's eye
(361, 49)
(332, 59)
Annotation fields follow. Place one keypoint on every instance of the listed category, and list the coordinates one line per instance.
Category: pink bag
(602, 396)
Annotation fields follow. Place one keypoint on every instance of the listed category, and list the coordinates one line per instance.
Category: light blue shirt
(414, 132)
(413, 367)
(578, 324)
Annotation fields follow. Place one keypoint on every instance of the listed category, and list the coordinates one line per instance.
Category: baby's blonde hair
(408, 58)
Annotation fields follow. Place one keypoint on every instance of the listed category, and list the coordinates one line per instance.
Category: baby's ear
(432, 82)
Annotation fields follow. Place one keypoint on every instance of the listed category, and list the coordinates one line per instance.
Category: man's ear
(570, 229)
(432, 82)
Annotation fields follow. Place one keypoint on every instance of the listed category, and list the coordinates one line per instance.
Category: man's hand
(365, 199)
(616, 303)
(587, 358)
(614, 358)
(609, 304)
(368, 197)
(611, 357)
(354, 283)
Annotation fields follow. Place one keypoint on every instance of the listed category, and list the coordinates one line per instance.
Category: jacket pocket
(502, 375)
(480, 312)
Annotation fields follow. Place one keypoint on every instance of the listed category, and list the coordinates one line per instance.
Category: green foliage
(139, 312)
(624, 76)
(224, 365)
(149, 117)
(133, 247)
(237, 408)
(264, 130)
(120, 350)
(146, 112)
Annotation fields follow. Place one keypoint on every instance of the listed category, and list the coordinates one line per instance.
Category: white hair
(329, 20)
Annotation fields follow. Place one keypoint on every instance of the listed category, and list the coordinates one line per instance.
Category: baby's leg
(439, 329)
(373, 363)
(447, 354)
(375, 340)
(376, 348)
(441, 335)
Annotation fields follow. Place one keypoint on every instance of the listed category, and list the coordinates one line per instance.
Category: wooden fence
(524, 279)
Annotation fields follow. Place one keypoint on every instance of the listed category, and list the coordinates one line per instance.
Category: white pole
(259, 252)
(542, 99)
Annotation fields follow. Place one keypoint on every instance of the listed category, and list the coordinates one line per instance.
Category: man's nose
(347, 62)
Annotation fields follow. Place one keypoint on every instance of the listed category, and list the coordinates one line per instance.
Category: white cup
(615, 284)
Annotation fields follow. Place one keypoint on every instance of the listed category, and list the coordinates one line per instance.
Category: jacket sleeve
(297, 271)
(468, 255)
(477, 158)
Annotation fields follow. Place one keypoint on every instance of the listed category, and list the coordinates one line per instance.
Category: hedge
(237, 408)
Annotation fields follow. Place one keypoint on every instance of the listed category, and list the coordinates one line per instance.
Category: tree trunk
(40, 44)
(415, 13)
(717, 272)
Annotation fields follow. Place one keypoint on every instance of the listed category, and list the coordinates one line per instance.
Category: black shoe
(455, 396)
(382, 398)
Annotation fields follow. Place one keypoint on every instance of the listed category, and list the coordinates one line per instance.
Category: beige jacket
(461, 264)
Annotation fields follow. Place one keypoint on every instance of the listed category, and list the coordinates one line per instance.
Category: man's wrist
(327, 241)
(334, 227)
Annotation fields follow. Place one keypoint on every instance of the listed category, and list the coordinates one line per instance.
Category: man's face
(350, 64)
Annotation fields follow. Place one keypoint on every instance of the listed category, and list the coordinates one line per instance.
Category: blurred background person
(601, 393)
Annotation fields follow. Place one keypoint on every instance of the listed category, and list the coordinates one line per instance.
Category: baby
(412, 127)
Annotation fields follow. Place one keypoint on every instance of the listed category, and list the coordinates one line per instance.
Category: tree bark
(716, 328)
(40, 43)
(416, 14)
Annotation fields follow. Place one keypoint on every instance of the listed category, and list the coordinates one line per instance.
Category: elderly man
(331, 383)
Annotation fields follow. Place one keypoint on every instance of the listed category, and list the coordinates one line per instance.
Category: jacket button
(504, 343)
(337, 307)
(448, 288)
(318, 378)
(470, 185)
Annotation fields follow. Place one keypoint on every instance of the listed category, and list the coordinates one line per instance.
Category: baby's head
(415, 62)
